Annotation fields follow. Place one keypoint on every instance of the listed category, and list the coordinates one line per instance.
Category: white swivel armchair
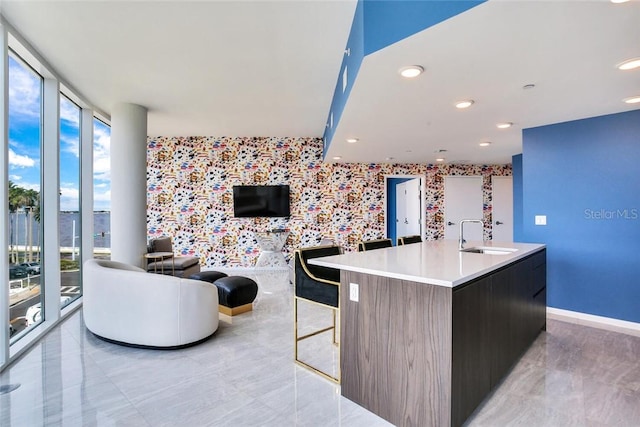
(126, 305)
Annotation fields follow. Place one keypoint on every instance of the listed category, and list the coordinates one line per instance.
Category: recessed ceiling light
(337, 158)
(464, 104)
(632, 100)
(629, 64)
(411, 71)
(504, 125)
(619, 1)
(390, 158)
(440, 159)
(352, 140)
(485, 144)
(528, 86)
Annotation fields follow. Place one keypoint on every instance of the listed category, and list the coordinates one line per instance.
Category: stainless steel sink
(489, 250)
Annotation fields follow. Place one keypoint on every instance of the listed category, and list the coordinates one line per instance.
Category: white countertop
(435, 262)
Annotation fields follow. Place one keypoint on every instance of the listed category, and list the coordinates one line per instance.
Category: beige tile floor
(245, 376)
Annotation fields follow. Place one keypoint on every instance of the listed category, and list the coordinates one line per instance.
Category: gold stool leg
(335, 379)
(333, 312)
(295, 328)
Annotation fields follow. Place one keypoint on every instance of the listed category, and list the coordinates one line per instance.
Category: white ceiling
(269, 68)
(568, 49)
(239, 68)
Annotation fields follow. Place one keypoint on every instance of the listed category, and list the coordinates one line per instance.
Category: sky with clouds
(25, 97)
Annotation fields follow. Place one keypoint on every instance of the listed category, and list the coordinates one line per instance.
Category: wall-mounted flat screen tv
(250, 201)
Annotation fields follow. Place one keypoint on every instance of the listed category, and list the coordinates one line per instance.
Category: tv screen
(251, 201)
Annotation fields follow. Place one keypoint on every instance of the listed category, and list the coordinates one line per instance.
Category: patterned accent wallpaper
(189, 195)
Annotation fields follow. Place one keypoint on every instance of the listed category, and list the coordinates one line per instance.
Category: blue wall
(585, 176)
(516, 165)
(391, 207)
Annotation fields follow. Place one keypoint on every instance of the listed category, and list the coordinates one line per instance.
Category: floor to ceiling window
(57, 146)
(25, 231)
(101, 190)
(70, 218)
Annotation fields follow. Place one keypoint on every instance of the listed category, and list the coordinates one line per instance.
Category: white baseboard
(600, 322)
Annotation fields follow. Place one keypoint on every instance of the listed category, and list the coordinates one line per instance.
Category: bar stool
(374, 244)
(409, 239)
(321, 286)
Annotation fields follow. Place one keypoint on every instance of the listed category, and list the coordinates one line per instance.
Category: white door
(462, 200)
(414, 216)
(502, 210)
(401, 209)
(408, 208)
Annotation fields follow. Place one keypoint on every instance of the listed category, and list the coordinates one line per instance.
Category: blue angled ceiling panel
(389, 21)
(376, 25)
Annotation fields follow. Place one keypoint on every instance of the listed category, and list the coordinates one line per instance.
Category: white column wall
(128, 183)
(86, 183)
(50, 196)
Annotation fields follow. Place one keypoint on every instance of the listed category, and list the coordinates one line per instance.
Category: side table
(159, 257)
(271, 244)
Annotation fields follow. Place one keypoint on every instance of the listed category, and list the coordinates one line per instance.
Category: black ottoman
(208, 276)
(235, 293)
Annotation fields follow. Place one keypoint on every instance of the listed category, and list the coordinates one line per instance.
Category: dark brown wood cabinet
(539, 306)
(495, 320)
(426, 355)
(471, 357)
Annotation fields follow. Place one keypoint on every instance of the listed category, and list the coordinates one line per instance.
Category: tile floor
(244, 376)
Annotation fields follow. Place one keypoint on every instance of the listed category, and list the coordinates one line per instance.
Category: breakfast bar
(428, 330)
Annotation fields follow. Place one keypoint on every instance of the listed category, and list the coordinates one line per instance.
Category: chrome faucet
(461, 240)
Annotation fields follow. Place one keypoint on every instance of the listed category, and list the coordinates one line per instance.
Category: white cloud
(69, 198)
(20, 161)
(101, 167)
(101, 170)
(24, 92)
(30, 186)
(69, 111)
(101, 138)
(102, 200)
(70, 144)
(69, 185)
(15, 178)
(104, 196)
(101, 155)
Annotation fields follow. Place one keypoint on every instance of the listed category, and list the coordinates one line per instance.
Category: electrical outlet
(541, 220)
(354, 293)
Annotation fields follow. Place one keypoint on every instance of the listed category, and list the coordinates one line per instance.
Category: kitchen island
(427, 331)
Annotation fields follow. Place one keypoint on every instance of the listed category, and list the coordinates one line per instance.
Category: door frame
(423, 192)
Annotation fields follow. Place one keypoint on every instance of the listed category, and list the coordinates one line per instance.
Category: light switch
(541, 220)
(354, 292)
